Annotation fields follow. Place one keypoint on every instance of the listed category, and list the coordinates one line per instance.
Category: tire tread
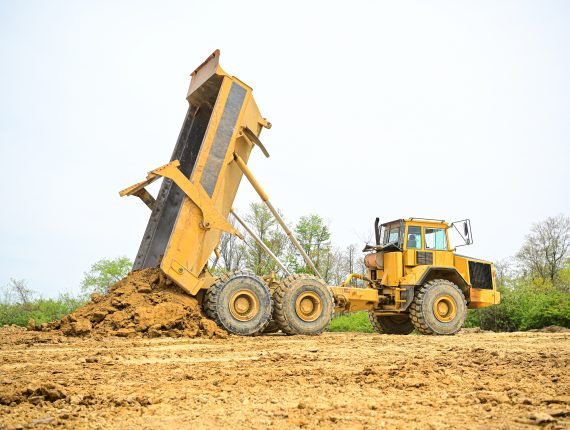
(211, 298)
(416, 306)
(278, 298)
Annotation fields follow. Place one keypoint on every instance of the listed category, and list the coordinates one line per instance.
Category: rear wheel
(240, 303)
(391, 324)
(272, 327)
(303, 305)
(438, 308)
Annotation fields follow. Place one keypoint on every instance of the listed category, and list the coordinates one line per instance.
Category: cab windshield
(392, 234)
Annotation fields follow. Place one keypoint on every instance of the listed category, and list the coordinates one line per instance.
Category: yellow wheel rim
(244, 305)
(308, 306)
(444, 308)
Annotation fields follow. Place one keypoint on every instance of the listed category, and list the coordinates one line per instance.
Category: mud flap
(406, 296)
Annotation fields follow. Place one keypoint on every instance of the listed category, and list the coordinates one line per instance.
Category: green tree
(314, 236)
(527, 301)
(105, 273)
(17, 292)
(264, 225)
(546, 249)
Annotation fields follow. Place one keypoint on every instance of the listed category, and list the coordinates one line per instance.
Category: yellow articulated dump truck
(414, 279)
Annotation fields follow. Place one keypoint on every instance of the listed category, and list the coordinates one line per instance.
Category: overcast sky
(391, 109)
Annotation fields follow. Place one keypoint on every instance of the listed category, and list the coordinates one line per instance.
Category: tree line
(534, 283)
(334, 263)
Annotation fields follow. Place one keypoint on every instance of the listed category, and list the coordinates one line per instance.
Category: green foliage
(19, 304)
(546, 249)
(564, 278)
(40, 310)
(105, 273)
(264, 225)
(357, 322)
(314, 236)
(312, 231)
(538, 294)
(525, 305)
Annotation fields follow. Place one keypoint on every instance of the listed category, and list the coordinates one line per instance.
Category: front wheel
(438, 308)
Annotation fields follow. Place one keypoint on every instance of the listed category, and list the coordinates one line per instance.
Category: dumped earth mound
(142, 304)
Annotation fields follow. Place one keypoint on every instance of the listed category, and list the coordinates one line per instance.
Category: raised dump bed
(191, 210)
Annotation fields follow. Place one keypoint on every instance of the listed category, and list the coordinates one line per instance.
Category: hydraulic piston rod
(259, 241)
(265, 199)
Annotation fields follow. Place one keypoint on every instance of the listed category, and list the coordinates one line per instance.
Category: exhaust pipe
(377, 231)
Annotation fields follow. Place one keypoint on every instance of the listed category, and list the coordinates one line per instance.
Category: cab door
(413, 245)
(435, 241)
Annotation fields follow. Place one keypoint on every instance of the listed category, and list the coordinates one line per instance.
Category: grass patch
(357, 322)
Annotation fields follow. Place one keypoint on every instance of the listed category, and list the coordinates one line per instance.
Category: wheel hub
(244, 305)
(444, 308)
(308, 306)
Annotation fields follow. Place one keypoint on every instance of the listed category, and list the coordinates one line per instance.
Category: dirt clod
(77, 328)
(541, 417)
(45, 420)
(140, 305)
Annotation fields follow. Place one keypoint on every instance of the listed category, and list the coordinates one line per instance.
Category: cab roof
(422, 221)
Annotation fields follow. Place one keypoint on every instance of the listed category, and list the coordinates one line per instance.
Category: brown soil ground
(472, 380)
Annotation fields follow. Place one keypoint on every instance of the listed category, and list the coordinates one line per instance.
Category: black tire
(423, 308)
(271, 327)
(391, 324)
(298, 290)
(229, 289)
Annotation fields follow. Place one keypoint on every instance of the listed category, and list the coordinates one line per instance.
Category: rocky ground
(472, 380)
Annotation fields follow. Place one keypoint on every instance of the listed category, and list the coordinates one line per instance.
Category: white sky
(390, 109)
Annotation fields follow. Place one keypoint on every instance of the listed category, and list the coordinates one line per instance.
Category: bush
(40, 310)
(357, 321)
(537, 307)
(19, 304)
(525, 305)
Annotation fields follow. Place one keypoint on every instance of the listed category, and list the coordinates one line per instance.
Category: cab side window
(435, 238)
(414, 237)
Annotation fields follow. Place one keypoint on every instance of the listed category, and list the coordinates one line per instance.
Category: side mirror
(467, 233)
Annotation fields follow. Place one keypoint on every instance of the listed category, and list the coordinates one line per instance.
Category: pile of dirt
(144, 304)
